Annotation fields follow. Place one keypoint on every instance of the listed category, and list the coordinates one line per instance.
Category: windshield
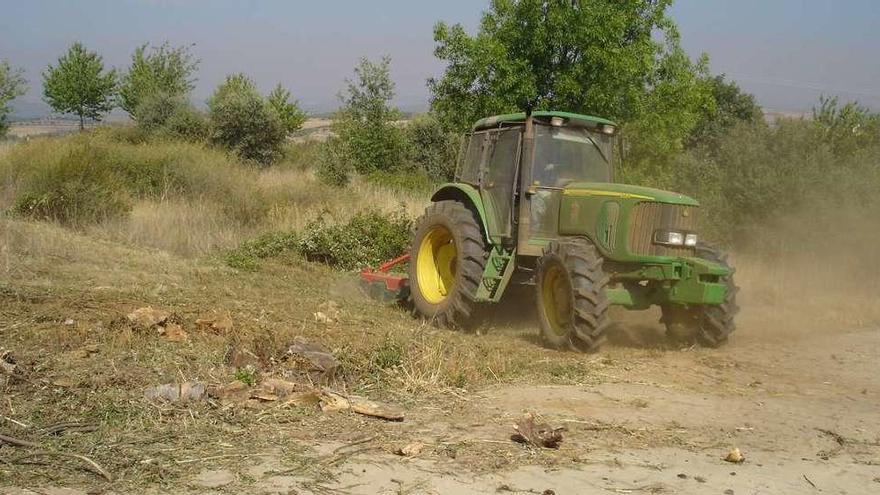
(570, 154)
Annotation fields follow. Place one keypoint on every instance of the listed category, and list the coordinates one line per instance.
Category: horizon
(787, 57)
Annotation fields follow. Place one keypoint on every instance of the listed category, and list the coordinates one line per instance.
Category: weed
(246, 375)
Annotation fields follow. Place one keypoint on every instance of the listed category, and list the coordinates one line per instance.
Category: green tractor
(534, 200)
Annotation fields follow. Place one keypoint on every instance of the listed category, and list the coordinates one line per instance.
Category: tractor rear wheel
(571, 300)
(448, 256)
(707, 325)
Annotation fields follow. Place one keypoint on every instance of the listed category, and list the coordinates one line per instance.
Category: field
(796, 390)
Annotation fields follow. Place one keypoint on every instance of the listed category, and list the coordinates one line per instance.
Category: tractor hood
(627, 191)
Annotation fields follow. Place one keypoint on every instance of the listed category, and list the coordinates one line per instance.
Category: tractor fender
(467, 195)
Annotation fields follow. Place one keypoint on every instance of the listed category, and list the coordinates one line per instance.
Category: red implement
(380, 283)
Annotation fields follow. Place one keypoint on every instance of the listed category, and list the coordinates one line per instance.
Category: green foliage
(75, 191)
(291, 115)
(732, 106)
(92, 177)
(430, 148)
(79, 85)
(404, 181)
(170, 116)
(12, 85)
(269, 245)
(848, 128)
(604, 58)
(334, 165)
(247, 375)
(368, 137)
(164, 69)
(368, 239)
(245, 123)
(389, 354)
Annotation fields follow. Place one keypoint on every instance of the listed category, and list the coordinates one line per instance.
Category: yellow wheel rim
(557, 299)
(436, 264)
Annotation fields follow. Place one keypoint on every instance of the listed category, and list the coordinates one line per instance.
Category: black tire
(457, 304)
(707, 325)
(575, 317)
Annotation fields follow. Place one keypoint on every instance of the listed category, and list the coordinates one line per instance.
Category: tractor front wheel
(707, 325)
(448, 256)
(572, 305)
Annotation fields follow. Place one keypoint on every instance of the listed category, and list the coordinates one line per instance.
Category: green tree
(366, 123)
(80, 85)
(243, 121)
(288, 110)
(12, 85)
(614, 59)
(166, 69)
(848, 128)
(732, 106)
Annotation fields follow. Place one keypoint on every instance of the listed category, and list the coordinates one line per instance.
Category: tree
(79, 85)
(608, 58)
(292, 116)
(366, 122)
(243, 121)
(12, 85)
(848, 128)
(166, 69)
(732, 106)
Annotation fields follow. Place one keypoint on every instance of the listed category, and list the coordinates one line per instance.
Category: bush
(171, 117)
(77, 190)
(242, 121)
(91, 177)
(406, 181)
(430, 148)
(368, 239)
(269, 245)
(334, 167)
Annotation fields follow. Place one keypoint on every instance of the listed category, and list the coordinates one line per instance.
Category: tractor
(534, 201)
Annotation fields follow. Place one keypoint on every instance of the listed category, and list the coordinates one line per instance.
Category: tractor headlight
(690, 240)
(669, 237)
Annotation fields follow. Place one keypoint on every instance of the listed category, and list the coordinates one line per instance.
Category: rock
(178, 392)
(537, 434)
(735, 456)
(7, 362)
(147, 317)
(328, 312)
(69, 322)
(215, 479)
(220, 324)
(233, 392)
(86, 352)
(318, 357)
(410, 450)
(240, 358)
(174, 333)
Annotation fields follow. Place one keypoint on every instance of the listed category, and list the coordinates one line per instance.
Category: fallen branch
(95, 467)
(17, 442)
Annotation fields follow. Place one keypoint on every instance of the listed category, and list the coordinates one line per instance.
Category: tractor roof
(513, 118)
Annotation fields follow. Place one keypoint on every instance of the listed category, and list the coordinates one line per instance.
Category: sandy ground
(805, 413)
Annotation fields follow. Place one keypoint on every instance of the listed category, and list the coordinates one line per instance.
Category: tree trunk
(81, 123)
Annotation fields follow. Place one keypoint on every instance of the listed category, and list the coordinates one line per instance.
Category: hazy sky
(787, 52)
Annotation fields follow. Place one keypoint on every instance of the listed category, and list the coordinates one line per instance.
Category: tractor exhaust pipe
(525, 182)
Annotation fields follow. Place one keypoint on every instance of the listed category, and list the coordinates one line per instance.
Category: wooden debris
(537, 434)
(332, 401)
(177, 392)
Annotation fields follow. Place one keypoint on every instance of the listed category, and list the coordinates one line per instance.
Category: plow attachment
(384, 284)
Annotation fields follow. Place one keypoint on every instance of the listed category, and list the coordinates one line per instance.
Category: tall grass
(185, 198)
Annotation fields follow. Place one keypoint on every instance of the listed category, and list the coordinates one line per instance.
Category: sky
(786, 52)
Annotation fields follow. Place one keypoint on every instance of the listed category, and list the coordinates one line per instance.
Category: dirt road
(805, 413)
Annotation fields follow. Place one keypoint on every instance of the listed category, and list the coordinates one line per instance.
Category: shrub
(334, 167)
(91, 177)
(405, 181)
(269, 245)
(242, 121)
(430, 148)
(187, 124)
(368, 239)
(76, 190)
